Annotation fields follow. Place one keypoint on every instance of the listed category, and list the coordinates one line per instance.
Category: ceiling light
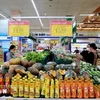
(43, 17)
(33, 3)
(86, 14)
(91, 14)
(3, 16)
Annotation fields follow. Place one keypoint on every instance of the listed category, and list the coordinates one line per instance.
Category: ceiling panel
(51, 8)
(45, 1)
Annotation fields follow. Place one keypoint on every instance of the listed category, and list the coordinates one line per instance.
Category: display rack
(11, 98)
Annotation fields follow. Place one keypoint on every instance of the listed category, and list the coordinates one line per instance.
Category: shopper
(76, 51)
(84, 54)
(10, 54)
(92, 54)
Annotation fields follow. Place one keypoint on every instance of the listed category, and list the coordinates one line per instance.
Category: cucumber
(97, 79)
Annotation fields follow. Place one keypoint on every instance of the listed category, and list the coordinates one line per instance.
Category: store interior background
(86, 12)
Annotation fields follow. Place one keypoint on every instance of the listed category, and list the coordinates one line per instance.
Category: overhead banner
(3, 27)
(18, 28)
(61, 28)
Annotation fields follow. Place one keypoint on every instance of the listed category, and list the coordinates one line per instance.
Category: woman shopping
(11, 52)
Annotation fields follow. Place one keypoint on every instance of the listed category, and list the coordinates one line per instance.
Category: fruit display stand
(24, 78)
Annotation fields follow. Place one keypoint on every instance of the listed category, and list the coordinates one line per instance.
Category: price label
(61, 28)
(19, 28)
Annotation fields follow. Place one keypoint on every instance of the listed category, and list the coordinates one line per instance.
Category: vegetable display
(30, 72)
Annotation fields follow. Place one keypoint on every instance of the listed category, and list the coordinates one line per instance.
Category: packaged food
(56, 88)
(21, 88)
(67, 89)
(31, 89)
(62, 90)
(86, 95)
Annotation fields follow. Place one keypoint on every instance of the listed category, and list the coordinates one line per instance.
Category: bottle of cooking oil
(37, 88)
(26, 89)
(12, 83)
(21, 88)
(15, 88)
(42, 87)
(31, 89)
(56, 88)
(47, 88)
(52, 89)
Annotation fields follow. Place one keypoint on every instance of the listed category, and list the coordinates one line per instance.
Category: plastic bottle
(31, 89)
(67, 89)
(37, 88)
(56, 88)
(79, 90)
(15, 88)
(42, 87)
(73, 89)
(47, 88)
(52, 89)
(7, 85)
(91, 89)
(21, 88)
(86, 95)
(71, 81)
(62, 90)
(76, 81)
(26, 89)
(1, 84)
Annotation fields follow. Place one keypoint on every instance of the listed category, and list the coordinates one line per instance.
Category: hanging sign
(61, 28)
(3, 27)
(18, 28)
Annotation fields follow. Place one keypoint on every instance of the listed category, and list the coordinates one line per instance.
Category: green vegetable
(97, 79)
(37, 57)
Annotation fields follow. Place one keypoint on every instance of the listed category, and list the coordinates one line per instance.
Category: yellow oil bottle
(26, 89)
(47, 88)
(52, 89)
(42, 87)
(37, 88)
(56, 88)
(21, 88)
(31, 89)
(15, 88)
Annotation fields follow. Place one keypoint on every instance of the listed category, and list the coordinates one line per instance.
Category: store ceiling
(49, 8)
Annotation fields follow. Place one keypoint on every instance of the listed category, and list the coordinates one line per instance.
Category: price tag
(61, 28)
(18, 28)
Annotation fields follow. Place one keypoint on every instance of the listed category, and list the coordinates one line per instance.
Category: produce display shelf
(11, 98)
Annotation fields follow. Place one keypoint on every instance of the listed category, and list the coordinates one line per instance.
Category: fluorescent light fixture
(33, 3)
(3, 16)
(87, 14)
(44, 17)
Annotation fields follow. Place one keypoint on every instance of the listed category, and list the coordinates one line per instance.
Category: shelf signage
(61, 28)
(18, 28)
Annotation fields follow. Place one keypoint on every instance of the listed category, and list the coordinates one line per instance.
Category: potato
(39, 66)
(15, 61)
(33, 70)
(13, 66)
(24, 63)
(30, 63)
(6, 64)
